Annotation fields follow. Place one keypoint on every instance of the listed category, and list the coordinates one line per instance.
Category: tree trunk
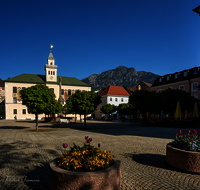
(85, 121)
(36, 117)
(75, 117)
(80, 118)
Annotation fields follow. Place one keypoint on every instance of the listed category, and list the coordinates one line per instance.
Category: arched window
(51, 72)
(51, 63)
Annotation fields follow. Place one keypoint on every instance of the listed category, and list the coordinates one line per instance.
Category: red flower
(180, 131)
(192, 135)
(199, 137)
(176, 134)
(185, 136)
(195, 131)
(190, 140)
(189, 131)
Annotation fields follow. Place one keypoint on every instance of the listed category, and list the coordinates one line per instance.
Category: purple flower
(86, 137)
(90, 139)
(65, 145)
(99, 145)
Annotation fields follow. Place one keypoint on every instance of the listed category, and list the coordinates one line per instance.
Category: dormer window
(160, 79)
(167, 77)
(185, 74)
(195, 71)
(139, 87)
(51, 63)
(176, 76)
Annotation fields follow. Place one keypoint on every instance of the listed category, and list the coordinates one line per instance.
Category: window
(51, 63)
(23, 88)
(62, 91)
(53, 72)
(196, 96)
(75, 91)
(195, 71)
(139, 87)
(194, 86)
(182, 87)
(160, 79)
(63, 101)
(83, 90)
(69, 92)
(49, 72)
(24, 111)
(110, 99)
(14, 111)
(159, 90)
(185, 74)
(176, 76)
(14, 89)
(171, 87)
(167, 77)
(52, 89)
(14, 100)
(115, 99)
(122, 100)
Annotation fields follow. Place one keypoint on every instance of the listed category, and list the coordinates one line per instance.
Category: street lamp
(197, 10)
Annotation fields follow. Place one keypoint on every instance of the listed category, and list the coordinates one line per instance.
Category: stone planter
(107, 179)
(184, 160)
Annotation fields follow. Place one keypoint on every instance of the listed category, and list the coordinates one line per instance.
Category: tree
(83, 103)
(122, 109)
(108, 108)
(172, 96)
(40, 99)
(145, 101)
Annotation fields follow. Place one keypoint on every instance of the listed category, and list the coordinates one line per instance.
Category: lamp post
(197, 10)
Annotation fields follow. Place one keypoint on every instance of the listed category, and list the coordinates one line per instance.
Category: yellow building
(13, 102)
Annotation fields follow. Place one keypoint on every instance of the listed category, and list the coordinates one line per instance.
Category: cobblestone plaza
(25, 155)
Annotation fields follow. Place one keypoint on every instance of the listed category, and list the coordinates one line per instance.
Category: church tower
(51, 68)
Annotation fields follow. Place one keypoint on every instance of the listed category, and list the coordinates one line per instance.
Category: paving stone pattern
(25, 155)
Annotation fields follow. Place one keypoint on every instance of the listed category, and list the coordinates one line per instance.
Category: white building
(113, 95)
(13, 102)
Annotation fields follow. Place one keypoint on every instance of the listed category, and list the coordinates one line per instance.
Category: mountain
(120, 76)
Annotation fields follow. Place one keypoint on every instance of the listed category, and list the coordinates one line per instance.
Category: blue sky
(92, 36)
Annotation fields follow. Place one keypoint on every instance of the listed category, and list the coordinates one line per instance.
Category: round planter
(107, 179)
(184, 160)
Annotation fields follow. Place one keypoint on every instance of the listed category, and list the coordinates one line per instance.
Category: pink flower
(65, 145)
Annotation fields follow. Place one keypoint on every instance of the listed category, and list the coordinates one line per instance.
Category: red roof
(115, 90)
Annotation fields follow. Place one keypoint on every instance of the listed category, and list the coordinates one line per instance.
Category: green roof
(41, 79)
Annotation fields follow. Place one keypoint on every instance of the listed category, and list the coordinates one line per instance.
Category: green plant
(86, 158)
(189, 142)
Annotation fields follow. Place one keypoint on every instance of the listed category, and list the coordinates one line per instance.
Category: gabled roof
(41, 79)
(130, 90)
(115, 90)
(148, 84)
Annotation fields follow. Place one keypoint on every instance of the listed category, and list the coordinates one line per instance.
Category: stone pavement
(25, 155)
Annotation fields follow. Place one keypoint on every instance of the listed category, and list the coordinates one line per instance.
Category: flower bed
(184, 152)
(85, 168)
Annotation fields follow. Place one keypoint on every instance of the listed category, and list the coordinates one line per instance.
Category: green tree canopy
(83, 103)
(108, 108)
(40, 99)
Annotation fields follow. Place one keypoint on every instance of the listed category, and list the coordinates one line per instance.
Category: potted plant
(85, 167)
(184, 152)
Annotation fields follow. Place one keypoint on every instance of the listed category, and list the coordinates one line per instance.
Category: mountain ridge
(120, 76)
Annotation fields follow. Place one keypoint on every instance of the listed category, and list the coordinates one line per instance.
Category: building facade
(187, 80)
(113, 95)
(13, 102)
